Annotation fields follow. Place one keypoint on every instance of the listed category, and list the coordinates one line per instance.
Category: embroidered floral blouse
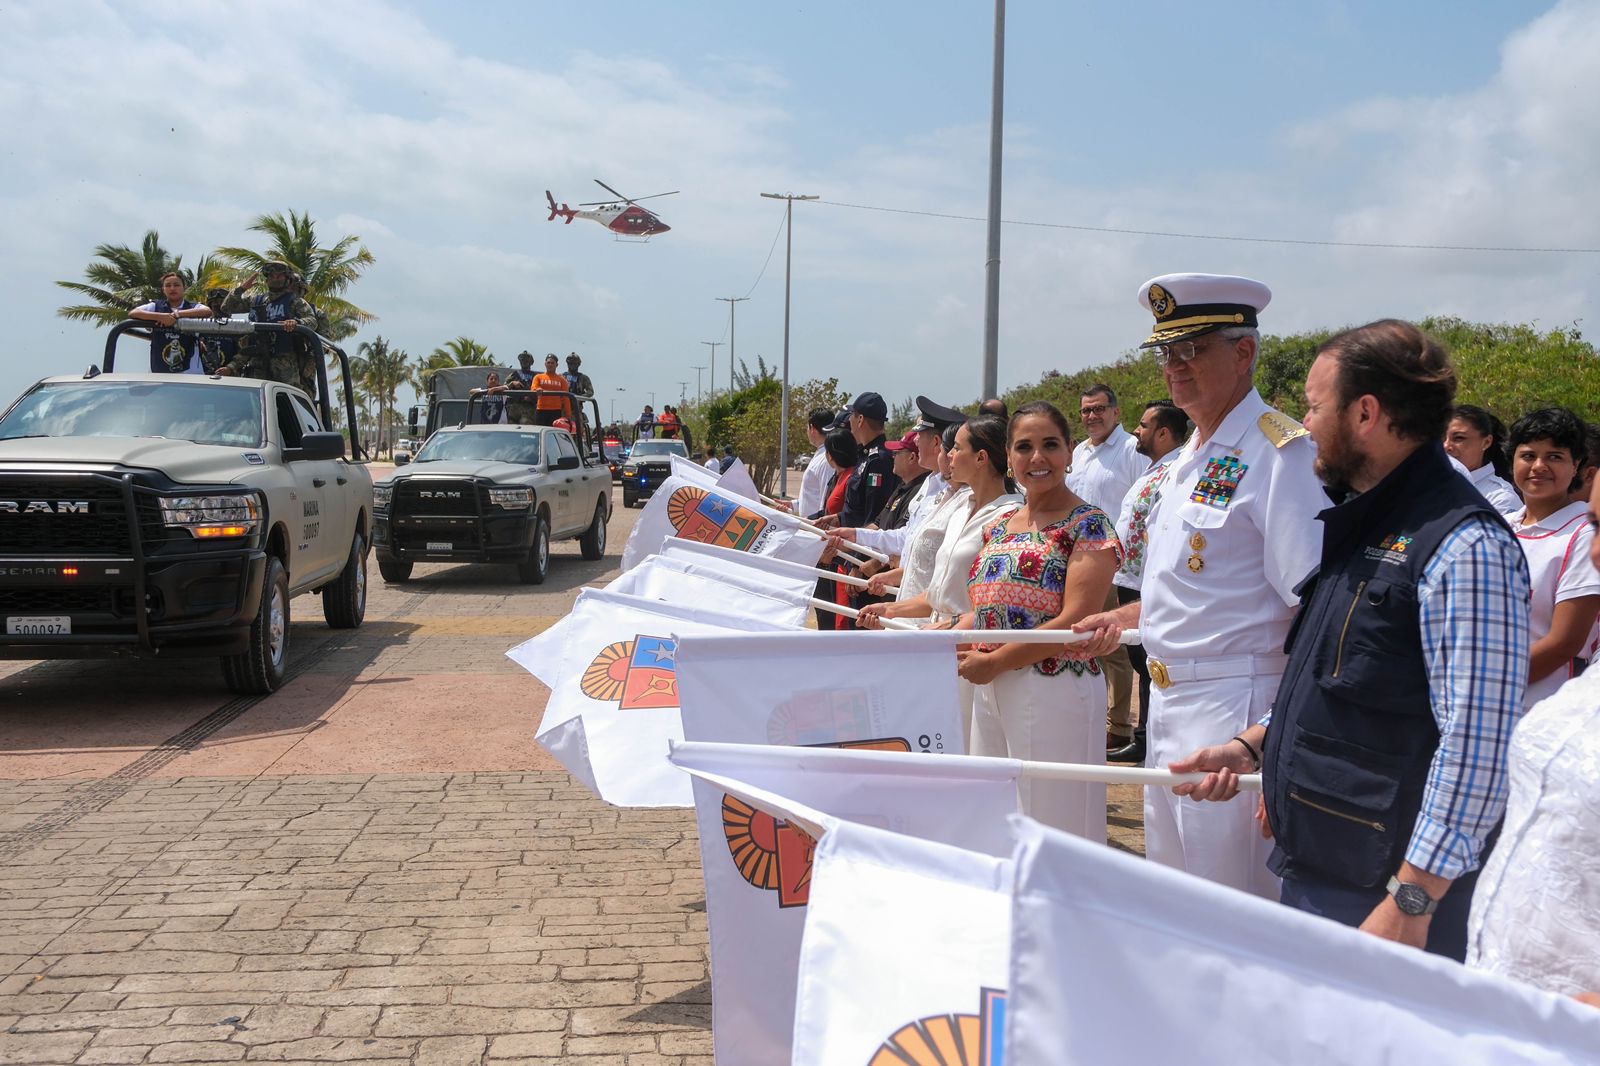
(1019, 580)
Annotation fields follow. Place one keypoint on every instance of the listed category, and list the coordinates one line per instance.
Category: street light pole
(683, 388)
(730, 301)
(714, 345)
(788, 263)
(991, 295)
(699, 383)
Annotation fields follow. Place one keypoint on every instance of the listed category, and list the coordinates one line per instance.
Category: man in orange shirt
(550, 407)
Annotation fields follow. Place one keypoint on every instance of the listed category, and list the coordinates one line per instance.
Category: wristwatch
(1412, 899)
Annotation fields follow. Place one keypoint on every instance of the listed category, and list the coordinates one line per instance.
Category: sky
(431, 131)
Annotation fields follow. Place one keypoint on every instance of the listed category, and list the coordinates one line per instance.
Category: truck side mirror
(411, 421)
(566, 462)
(316, 446)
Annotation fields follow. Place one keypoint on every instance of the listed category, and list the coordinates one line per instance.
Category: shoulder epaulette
(1280, 429)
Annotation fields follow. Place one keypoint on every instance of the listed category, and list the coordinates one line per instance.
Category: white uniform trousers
(1022, 714)
(1217, 841)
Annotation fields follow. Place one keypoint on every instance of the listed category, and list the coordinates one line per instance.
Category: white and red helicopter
(621, 216)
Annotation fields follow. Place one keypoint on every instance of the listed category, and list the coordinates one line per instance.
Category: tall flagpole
(788, 263)
(991, 296)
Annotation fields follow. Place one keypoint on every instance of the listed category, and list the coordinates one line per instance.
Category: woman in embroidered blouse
(1044, 566)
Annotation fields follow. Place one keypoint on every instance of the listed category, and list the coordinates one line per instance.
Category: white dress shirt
(894, 541)
(922, 548)
(963, 539)
(814, 485)
(1500, 493)
(1103, 473)
(1257, 541)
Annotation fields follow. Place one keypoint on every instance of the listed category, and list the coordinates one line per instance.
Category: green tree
(462, 351)
(329, 271)
(124, 278)
(748, 419)
(379, 371)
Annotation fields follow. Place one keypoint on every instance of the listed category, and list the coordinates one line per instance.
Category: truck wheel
(395, 571)
(533, 570)
(344, 599)
(593, 542)
(630, 500)
(259, 669)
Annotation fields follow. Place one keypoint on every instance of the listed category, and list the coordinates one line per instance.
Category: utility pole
(788, 263)
(991, 295)
(699, 383)
(683, 390)
(713, 345)
(730, 301)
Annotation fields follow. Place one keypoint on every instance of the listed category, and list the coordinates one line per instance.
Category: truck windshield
(488, 446)
(660, 447)
(204, 414)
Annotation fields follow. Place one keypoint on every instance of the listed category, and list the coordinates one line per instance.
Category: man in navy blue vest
(1384, 754)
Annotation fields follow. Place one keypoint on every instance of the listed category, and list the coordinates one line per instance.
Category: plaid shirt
(1473, 607)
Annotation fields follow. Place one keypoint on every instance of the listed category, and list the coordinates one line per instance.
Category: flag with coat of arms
(611, 667)
(670, 579)
(691, 511)
(762, 810)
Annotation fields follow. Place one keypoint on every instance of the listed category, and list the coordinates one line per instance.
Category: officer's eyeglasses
(1182, 351)
(1095, 409)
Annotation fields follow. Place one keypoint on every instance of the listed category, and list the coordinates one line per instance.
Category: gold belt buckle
(1158, 673)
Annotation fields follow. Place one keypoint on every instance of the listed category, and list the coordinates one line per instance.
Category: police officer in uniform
(873, 479)
(279, 356)
(1384, 762)
(1232, 535)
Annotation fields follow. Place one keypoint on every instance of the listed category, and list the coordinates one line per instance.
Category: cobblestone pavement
(375, 865)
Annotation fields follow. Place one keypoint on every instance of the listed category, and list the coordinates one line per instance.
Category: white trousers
(1217, 841)
(1024, 715)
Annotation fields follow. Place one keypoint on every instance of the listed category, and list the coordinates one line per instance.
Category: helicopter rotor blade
(612, 191)
(653, 195)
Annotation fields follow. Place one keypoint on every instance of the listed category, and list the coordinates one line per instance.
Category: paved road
(375, 864)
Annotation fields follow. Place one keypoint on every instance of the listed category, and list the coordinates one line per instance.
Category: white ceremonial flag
(1118, 960)
(613, 707)
(759, 573)
(906, 952)
(662, 578)
(694, 473)
(737, 480)
(690, 511)
(760, 809)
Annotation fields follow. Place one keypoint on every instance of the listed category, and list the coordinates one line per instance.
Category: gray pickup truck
(177, 515)
(491, 494)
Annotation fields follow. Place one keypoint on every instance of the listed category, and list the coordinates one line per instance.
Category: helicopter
(622, 216)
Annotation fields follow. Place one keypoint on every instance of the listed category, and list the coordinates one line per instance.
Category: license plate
(50, 625)
(440, 546)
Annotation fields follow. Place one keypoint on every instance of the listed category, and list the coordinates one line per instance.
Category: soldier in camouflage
(279, 356)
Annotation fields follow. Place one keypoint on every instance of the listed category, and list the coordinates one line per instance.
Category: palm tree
(125, 279)
(328, 271)
(464, 351)
(381, 371)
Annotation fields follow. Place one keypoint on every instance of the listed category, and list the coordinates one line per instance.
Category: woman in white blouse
(1476, 439)
(1536, 908)
(977, 459)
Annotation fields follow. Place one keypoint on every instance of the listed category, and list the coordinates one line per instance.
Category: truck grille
(56, 600)
(419, 498)
(100, 526)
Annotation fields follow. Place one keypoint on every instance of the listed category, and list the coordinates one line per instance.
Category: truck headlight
(210, 517)
(381, 495)
(630, 470)
(512, 499)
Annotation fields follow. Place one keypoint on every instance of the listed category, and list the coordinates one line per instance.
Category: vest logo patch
(1391, 549)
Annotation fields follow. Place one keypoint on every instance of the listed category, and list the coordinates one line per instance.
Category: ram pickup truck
(177, 515)
(491, 494)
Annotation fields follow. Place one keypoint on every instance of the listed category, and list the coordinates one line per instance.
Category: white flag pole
(851, 612)
(1020, 636)
(1120, 775)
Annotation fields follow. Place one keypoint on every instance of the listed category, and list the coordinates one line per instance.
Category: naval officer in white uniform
(1232, 535)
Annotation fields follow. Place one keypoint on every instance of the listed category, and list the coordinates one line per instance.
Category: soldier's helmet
(276, 266)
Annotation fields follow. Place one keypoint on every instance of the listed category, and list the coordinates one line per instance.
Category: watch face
(1413, 899)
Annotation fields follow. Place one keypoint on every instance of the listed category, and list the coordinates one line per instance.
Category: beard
(1339, 460)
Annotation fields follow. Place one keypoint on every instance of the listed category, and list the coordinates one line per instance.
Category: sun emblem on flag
(635, 674)
(770, 853)
(950, 1039)
(700, 515)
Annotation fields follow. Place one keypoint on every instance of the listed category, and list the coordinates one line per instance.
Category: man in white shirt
(1161, 431)
(934, 419)
(814, 482)
(1104, 468)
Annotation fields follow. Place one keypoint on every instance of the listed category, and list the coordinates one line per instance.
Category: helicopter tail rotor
(554, 210)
